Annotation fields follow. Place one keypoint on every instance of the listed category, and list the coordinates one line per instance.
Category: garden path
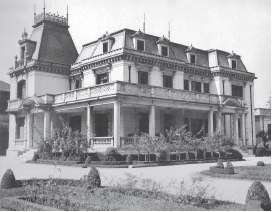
(226, 189)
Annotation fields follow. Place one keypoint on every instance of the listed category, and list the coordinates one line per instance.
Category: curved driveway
(226, 189)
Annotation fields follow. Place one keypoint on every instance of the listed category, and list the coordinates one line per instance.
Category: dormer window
(140, 45)
(192, 58)
(105, 47)
(164, 51)
(22, 52)
(233, 64)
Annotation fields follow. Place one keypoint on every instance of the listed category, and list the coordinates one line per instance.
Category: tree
(263, 135)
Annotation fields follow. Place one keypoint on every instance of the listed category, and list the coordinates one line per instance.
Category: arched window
(21, 89)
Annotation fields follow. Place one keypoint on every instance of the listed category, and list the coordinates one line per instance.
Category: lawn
(245, 172)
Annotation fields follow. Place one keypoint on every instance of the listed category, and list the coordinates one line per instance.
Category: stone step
(28, 154)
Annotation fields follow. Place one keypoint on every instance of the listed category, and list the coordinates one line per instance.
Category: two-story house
(122, 84)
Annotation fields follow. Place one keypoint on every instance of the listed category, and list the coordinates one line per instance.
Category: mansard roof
(124, 39)
(53, 44)
(4, 86)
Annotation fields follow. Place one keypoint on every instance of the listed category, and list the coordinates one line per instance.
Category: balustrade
(103, 141)
(128, 140)
(20, 143)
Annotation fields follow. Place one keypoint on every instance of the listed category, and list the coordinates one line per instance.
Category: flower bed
(215, 169)
(68, 163)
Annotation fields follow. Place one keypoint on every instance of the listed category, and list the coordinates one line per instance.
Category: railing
(20, 143)
(139, 90)
(128, 140)
(102, 141)
(51, 17)
(14, 104)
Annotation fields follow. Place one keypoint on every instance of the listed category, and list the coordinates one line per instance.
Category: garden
(175, 146)
(129, 194)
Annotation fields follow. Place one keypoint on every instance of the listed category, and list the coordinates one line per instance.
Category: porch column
(218, 120)
(210, 121)
(29, 129)
(116, 123)
(189, 84)
(235, 127)
(202, 87)
(152, 120)
(242, 124)
(89, 122)
(12, 130)
(25, 131)
(47, 117)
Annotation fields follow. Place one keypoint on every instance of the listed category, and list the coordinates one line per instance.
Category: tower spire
(169, 31)
(144, 24)
(67, 14)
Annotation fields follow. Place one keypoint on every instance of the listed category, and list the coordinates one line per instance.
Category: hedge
(68, 163)
(218, 170)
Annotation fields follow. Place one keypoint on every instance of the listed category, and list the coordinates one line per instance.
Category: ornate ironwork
(50, 17)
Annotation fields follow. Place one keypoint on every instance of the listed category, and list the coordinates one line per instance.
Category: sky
(242, 26)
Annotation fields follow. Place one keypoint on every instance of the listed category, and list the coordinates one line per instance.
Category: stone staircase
(243, 151)
(28, 154)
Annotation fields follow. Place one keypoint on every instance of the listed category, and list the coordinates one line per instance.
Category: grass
(245, 172)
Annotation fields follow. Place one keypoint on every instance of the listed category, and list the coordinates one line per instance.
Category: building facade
(263, 122)
(122, 84)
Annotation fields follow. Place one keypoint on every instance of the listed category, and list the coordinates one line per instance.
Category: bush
(260, 145)
(259, 152)
(111, 154)
(162, 155)
(229, 164)
(93, 178)
(260, 163)
(236, 154)
(258, 192)
(215, 169)
(35, 157)
(8, 180)
(129, 159)
(88, 160)
(220, 164)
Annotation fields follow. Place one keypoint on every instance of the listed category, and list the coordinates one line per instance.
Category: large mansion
(122, 84)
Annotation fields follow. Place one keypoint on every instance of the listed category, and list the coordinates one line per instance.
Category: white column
(116, 124)
(242, 124)
(189, 84)
(152, 120)
(235, 127)
(90, 121)
(25, 130)
(29, 129)
(12, 130)
(218, 120)
(210, 122)
(202, 87)
(47, 117)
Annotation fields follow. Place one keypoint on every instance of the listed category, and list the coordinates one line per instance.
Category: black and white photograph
(135, 105)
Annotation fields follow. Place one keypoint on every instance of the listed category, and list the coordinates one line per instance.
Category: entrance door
(143, 123)
(101, 125)
(21, 128)
(75, 123)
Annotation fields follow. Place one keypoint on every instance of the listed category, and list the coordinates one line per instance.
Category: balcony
(137, 90)
(14, 104)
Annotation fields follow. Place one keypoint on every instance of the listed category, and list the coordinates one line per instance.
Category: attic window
(140, 45)
(233, 64)
(192, 58)
(105, 47)
(102, 78)
(164, 51)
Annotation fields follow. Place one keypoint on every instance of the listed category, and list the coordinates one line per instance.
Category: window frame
(234, 62)
(161, 52)
(186, 85)
(206, 89)
(140, 40)
(139, 77)
(190, 58)
(101, 81)
(107, 46)
(195, 85)
(237, 90)
(169, 77)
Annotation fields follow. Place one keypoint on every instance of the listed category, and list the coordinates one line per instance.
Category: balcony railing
(14, 104)
(102, 141)
(124, 141)
(119, 87)
(20, 143)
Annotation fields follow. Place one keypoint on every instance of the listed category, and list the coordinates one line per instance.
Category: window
(78, 84)
(102, 78)
(237, 90)
(105, 47)
(164, 51)
(20, 128)
(140, 45)
(196, 86)
(143, 77)
(192, 58)
(21, 89)
(206, 87)
(143, 123)
(167, 81)
(22, 53)
(233, 64)
(186, 85)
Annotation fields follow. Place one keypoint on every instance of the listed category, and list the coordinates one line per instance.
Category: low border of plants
(13, 203)
(215, 169)
(59, 162)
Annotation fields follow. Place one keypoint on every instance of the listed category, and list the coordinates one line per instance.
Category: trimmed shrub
(229, 164)
(259, 152)
(129, 160)
(260, 146)
(111, 151)
(258, 192)
(220, 164)
(35, 157)
(93, 178)
(88, 160)
(260, 163)
(162, 155)
(236, 154)
(215, 169)
(8, 180)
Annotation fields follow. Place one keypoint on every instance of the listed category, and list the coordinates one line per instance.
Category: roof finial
(34, 10)
(67, 14)
(144, 24)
